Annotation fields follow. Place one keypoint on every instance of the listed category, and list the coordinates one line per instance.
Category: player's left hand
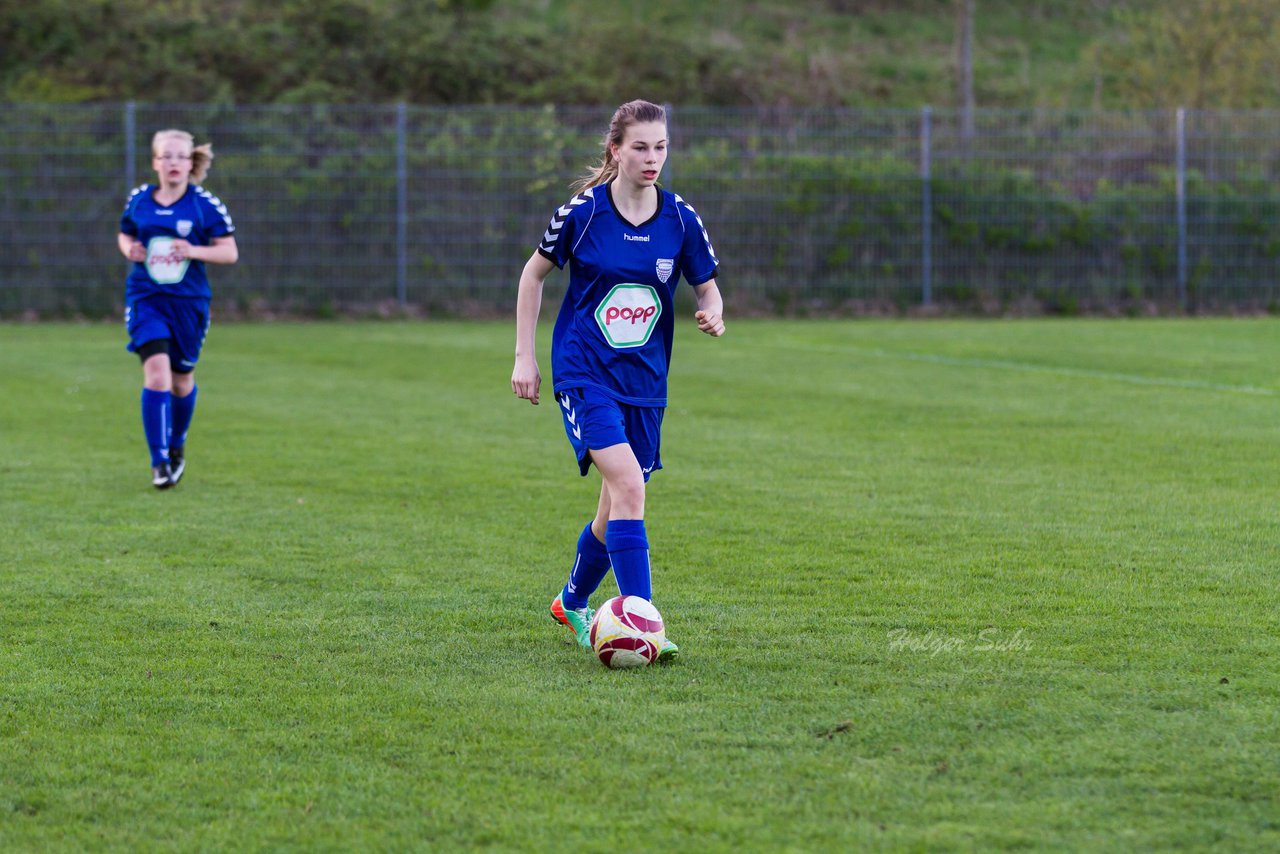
(710, 323)
(181, 248)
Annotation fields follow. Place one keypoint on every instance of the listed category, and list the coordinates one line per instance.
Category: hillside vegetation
(1042, 53)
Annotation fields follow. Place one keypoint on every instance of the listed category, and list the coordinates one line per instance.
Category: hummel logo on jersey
(635, 238)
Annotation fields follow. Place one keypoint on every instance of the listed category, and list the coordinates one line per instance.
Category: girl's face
(172, 160)
(642, 153)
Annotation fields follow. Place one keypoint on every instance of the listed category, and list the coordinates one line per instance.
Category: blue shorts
(184, 321)
(592, 419)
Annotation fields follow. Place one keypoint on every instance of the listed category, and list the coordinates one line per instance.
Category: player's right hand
(710, 323)
(137, 252)
(526, 380)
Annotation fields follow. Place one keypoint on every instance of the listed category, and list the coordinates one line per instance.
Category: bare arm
(222, 250)
(525, 378)
(710, 314)
(131, 247)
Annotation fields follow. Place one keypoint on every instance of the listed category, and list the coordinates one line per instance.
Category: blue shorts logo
(628, 314)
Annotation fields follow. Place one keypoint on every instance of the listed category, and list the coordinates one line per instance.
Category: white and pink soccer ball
(627, 631)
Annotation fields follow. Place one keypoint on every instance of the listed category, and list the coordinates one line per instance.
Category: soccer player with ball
(627, 243)
(170, 230)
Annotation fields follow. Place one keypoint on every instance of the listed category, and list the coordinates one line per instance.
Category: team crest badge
(184, 227)
(665, 266)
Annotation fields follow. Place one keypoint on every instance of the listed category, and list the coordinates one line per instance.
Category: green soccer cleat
(579, 621)
(668, 653)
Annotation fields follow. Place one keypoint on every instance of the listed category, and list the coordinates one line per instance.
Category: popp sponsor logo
(164, 265)
(627, 315)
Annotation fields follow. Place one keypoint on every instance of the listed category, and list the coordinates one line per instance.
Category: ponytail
(630, 113)
(201, 160)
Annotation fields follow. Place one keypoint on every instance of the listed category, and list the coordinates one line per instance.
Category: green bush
(314, 192)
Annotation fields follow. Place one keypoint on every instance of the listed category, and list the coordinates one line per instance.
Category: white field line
(1031, 367)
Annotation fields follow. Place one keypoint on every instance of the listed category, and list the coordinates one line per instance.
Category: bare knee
(183, 384)
(626, 497)
(156, 373)
(623, 494)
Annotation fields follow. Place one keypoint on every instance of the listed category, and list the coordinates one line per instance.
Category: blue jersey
(615, 325)
(198, 217)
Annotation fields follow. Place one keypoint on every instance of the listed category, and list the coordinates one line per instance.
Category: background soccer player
(170, 230)
(627, 242)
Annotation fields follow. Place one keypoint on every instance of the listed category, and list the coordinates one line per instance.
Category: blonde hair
(201, 155)
(630, 113)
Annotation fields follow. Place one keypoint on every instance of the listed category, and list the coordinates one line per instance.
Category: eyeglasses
(173, 157)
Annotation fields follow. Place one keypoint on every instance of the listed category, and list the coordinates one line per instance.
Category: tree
(964, 65)
(1199, 54)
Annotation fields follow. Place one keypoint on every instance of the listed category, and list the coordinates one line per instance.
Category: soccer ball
(627, 632)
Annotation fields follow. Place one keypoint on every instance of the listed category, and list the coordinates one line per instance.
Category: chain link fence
(342, 208)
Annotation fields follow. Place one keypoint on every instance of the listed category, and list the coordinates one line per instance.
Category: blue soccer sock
(155, 423)
(629, 553)
(589, 569)
(183, 409)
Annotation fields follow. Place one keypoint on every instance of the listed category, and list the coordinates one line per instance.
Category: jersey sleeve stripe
(698, 220)
(137, 191)
(552, 234)
(219, 207)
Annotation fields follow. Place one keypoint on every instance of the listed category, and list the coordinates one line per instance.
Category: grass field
(939, 585)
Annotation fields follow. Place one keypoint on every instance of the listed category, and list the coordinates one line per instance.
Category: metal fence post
(926, 207)
(402, 206)
(1181, 181)
(666, 179)
(1055, 202)
(130, 145)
